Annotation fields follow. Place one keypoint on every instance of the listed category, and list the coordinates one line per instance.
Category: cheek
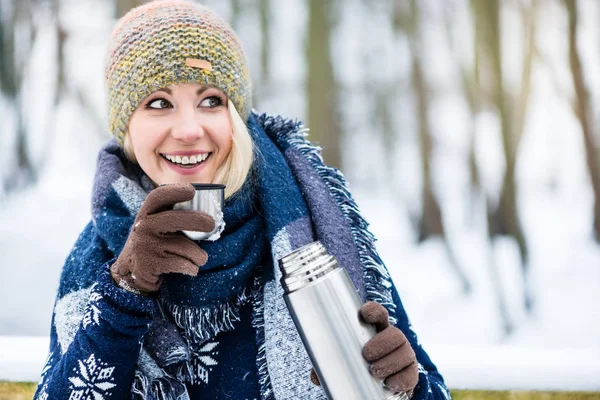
(145, 135)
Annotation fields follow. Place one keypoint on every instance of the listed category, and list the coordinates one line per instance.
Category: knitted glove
(389, 352)
(155, 246)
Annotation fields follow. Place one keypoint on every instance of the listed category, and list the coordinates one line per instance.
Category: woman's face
(181, 133)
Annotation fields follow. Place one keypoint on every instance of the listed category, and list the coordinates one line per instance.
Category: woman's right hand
(156, 246)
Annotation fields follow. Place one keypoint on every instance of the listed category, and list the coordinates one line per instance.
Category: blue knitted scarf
(290, 199)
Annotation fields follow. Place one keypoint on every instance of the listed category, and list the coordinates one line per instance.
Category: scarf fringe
(377, 279)
(157, 389)
(258, 323)
(139, 389)
(201, 324)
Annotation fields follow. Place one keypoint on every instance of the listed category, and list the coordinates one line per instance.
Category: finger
(376, 314)
(405, 380)
(383, 343)
(314, 378)
(180, 246)
(145, 282)
(163, 197)
(171, 221)
(179, 265)
(394, 362)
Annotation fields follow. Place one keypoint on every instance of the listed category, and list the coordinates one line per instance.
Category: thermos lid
(208, 186)
(305, 265)
(299, 257)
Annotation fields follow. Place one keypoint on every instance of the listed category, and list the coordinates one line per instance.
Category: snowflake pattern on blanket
(92, 379)
(203, 359)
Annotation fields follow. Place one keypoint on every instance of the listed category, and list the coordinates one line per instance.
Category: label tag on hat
(196, 63)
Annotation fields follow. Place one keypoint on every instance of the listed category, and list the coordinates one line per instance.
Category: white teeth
(185, 160)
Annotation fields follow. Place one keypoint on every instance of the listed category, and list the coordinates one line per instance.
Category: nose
(187, 127)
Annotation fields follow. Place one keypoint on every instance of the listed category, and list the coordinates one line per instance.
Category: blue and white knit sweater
(97, 348)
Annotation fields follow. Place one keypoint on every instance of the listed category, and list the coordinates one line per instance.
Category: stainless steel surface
(324, 305)
(209, 198)
(301, 256)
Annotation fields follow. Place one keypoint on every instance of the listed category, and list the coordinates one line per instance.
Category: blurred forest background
(468, 130)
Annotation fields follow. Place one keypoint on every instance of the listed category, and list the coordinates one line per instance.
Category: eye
(212, 102)
(158, 104)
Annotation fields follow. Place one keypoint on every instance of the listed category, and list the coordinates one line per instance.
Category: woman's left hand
(389, 352)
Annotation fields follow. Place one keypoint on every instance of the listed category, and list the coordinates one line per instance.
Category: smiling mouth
(187, 161)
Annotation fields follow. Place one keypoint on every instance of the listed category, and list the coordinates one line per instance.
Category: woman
(144, 312)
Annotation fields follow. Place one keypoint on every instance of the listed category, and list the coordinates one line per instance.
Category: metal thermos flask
(324, 305)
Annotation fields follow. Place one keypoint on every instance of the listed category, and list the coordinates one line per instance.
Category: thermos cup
(324, 306)
(209, 198)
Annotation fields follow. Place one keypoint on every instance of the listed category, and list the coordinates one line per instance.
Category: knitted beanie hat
(166, 42)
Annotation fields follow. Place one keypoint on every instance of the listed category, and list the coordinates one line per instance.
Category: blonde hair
(234, 170)
(128, 148)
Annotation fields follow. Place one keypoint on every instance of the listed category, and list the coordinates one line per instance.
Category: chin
(190, 179)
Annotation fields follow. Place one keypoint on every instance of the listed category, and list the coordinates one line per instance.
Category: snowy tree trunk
(322, 87)
(584, 114)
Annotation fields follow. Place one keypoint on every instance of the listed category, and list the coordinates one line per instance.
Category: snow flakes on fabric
(131, 193)
(281, 245)
(68, 313)
(93, 379)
